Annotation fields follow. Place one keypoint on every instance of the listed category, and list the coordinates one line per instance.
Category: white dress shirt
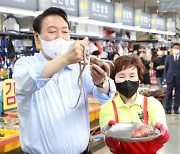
(48, 122)
(176, 57)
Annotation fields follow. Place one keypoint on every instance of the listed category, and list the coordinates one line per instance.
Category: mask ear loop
(39, 41)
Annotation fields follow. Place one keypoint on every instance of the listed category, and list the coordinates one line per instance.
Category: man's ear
(36, 38)
(37, 41)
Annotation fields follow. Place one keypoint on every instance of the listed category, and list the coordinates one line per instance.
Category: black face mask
(127, 88)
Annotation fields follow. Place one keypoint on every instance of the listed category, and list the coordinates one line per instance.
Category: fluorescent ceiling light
(17, 11)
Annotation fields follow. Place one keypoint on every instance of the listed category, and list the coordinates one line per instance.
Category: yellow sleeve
(106, 114)
(156, 112)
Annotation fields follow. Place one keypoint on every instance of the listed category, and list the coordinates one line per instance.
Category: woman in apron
(129, 106)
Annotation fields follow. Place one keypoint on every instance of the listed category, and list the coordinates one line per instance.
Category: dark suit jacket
(171, 68)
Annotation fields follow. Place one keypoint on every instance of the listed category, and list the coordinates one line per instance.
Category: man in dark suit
(158, 65)
(172, 78)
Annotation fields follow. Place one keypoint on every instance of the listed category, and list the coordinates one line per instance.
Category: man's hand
(161, 67)
(78, 51)
(98, 74)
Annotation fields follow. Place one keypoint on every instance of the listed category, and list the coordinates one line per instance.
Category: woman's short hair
(124, 62)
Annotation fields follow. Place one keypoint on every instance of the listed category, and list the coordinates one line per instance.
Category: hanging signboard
(70, 6)
(118, 12)
(96, 10)
(170, 25)
(137, 18)
(20, 4)
(153, 21)
(43, 4)
(161, 24)
(173, 26)
(128, 16)
(145, 20)
(84, 7)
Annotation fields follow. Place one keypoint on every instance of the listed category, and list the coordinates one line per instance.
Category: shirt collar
(176, 56)
(119, 102)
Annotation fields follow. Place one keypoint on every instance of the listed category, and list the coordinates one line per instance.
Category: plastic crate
(9, 141)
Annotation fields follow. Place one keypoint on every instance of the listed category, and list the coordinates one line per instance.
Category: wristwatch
(102, 84)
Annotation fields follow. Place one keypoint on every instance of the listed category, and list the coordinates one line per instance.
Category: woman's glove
(112, 144)
(164, 134)
(157, 144)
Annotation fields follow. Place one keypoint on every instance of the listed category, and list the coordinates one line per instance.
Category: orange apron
(148, 147)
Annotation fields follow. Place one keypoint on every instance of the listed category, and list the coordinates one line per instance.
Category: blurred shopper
(52, 89)
(146, 63)
(172, 79)
(158, 65)
(154, 54)
(129, 106)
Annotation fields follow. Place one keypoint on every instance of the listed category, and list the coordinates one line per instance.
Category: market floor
(173, 146)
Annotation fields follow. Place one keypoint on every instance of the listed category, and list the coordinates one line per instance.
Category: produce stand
(9, 134)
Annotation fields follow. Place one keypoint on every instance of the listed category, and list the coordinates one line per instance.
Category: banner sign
(118, 12)
(145, 20)
(137, 18)
(128, 16)
(69, 6)
(84, 8)
(20, 4)
(96, 10)
(153, 21)
(161, 24)
(44, 4)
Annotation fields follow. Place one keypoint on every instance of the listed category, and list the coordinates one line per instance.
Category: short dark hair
(50, 11)
(115, 53)
(123, 62)
(162, 48)
(175, 44)
(142, 47)
(96, 53)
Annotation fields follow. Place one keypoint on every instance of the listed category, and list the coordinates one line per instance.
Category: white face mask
(175, 51)
(160, 53)
(56, 47)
